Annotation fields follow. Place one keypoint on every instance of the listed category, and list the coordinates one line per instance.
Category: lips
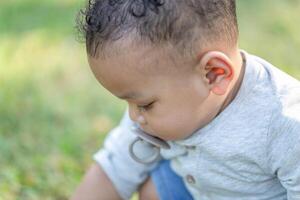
(147, 130)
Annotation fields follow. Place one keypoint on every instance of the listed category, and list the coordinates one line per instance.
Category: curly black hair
(177, 22)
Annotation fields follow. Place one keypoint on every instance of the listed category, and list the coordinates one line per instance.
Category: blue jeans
(168, 184)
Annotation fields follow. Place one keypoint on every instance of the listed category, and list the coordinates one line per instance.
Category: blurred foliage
(53, 113)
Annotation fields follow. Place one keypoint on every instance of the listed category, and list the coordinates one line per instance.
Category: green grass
(53, 113)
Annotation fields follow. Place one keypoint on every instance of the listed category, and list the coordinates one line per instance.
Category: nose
(133, 112)
(135, 115)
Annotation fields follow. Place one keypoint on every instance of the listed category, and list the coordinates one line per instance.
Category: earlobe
(218, 71)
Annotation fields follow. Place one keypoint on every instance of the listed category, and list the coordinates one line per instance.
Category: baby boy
(231, 119)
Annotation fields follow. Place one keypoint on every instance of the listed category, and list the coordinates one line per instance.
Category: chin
(165, 136)
(171, 137)
(160, 136)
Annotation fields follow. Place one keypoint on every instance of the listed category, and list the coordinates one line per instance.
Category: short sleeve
(125, 173)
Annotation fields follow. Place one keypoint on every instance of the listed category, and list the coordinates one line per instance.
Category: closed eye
(146, 107)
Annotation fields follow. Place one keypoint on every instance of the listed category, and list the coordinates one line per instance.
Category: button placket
(192, 152)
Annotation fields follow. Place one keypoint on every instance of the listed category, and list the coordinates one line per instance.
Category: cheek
(174, 124)
(179, 115)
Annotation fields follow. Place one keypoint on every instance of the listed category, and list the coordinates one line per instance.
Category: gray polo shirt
(250, 151)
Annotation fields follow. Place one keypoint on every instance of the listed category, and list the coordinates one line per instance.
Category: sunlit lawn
(53, 113)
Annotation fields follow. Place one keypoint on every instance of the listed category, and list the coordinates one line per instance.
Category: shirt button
(190, 179)
(190, 147)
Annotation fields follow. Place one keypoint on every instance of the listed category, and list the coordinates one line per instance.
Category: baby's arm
(96, 186)
(284, 152)
(116, 175)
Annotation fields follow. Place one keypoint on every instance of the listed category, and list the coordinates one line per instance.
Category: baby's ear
(218, 71)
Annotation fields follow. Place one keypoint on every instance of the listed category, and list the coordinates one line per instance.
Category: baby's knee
(147, 191)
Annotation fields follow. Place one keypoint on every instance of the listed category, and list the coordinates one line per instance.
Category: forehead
(144, 56)
(139, 59)
(133, 68)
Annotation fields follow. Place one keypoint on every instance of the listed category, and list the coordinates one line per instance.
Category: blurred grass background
(53, 113)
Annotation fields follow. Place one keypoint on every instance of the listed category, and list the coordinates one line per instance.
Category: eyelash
(146, 107)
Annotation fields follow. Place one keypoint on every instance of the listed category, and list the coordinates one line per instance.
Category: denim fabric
(168, 184)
